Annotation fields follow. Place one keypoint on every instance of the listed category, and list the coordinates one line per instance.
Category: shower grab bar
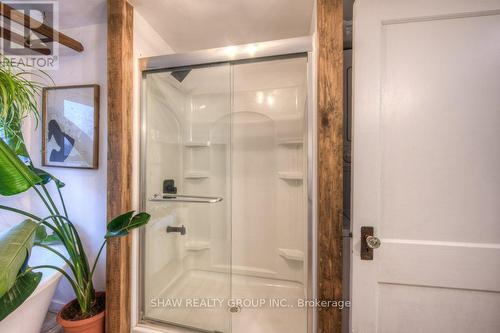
(170, 197)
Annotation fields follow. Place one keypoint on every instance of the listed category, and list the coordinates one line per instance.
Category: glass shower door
(269, 195)
(186, 187)
(224, 177)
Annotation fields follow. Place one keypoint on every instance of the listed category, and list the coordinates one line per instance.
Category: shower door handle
(170, 197)
(181, 230)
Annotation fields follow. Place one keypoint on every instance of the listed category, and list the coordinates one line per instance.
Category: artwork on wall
(70, 126)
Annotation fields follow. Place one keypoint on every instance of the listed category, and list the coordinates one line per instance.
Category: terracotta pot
(93, 324)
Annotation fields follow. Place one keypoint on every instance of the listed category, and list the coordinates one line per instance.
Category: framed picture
(70, 126)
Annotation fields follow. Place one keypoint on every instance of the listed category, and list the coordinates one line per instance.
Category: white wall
(85, 191)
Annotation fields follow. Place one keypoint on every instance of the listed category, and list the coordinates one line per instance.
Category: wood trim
(97, 99)
(20, 40)
(330, 160)
(39, 27)
(120, 64)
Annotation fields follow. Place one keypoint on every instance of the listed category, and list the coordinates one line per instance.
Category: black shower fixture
(180, 75)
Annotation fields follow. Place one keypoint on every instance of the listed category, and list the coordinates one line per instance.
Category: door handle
(372, 242)
(181, 229)
(368, 243)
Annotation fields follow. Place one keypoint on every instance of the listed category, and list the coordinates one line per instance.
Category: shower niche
(231, 138)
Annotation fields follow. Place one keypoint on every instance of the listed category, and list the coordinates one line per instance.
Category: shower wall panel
(269, 193)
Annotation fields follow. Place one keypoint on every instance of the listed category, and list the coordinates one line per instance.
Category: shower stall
(226, 148)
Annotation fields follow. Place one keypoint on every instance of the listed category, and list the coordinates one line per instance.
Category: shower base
(247, 319)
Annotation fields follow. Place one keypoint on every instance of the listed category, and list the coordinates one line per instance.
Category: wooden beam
(330, 160)
(120, 48)
(39, 27)
(20, 40)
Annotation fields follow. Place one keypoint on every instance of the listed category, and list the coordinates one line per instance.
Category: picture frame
(70, 126)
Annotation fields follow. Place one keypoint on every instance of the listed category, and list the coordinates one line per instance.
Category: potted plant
(17, 102)
(18, 175)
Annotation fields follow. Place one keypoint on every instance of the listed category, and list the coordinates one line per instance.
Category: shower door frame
(279, 49)
(121, 279)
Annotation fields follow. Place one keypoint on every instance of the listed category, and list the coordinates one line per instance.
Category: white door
(426, 165)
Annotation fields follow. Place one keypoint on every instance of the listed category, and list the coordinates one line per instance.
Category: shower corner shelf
(291, 175)
(197, 144)
(196, 175)
(290, 254)
(197, 246)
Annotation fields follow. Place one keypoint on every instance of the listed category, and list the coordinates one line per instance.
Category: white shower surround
(196, 245)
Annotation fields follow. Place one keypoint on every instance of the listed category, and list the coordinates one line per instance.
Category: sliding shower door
(269, 195)
(224, 177)
(186, 187)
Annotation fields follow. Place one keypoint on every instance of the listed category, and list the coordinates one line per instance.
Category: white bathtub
(28, 318)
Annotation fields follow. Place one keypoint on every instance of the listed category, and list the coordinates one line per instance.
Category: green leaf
(15, 248)
(51, 240)
(46, 177)
(18, 100)
(41, 236)
(121, 225)
(15, 176)
(41, 233)
(23, 287)
(120, 221)
(14, 139)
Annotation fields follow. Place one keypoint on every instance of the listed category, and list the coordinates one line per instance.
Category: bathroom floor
(261, 319)
(50, 324)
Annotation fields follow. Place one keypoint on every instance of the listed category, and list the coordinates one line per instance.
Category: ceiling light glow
(260, 97)
(231, 51)
(251, 49)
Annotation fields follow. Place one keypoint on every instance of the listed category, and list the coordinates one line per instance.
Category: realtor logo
(28, 31)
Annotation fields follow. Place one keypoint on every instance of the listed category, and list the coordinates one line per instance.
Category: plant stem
(47, 194)
(54, 212)
(59, 230)
(97, 257)
(82, 283)
(34, 217)
(79, 269)
(89, 288)
(62, 201)
(21, 212)
(76, 239)
(60, 270)
(44, 222)
(57, 253)
(43, 199)
(55, 216)
(77, 254)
